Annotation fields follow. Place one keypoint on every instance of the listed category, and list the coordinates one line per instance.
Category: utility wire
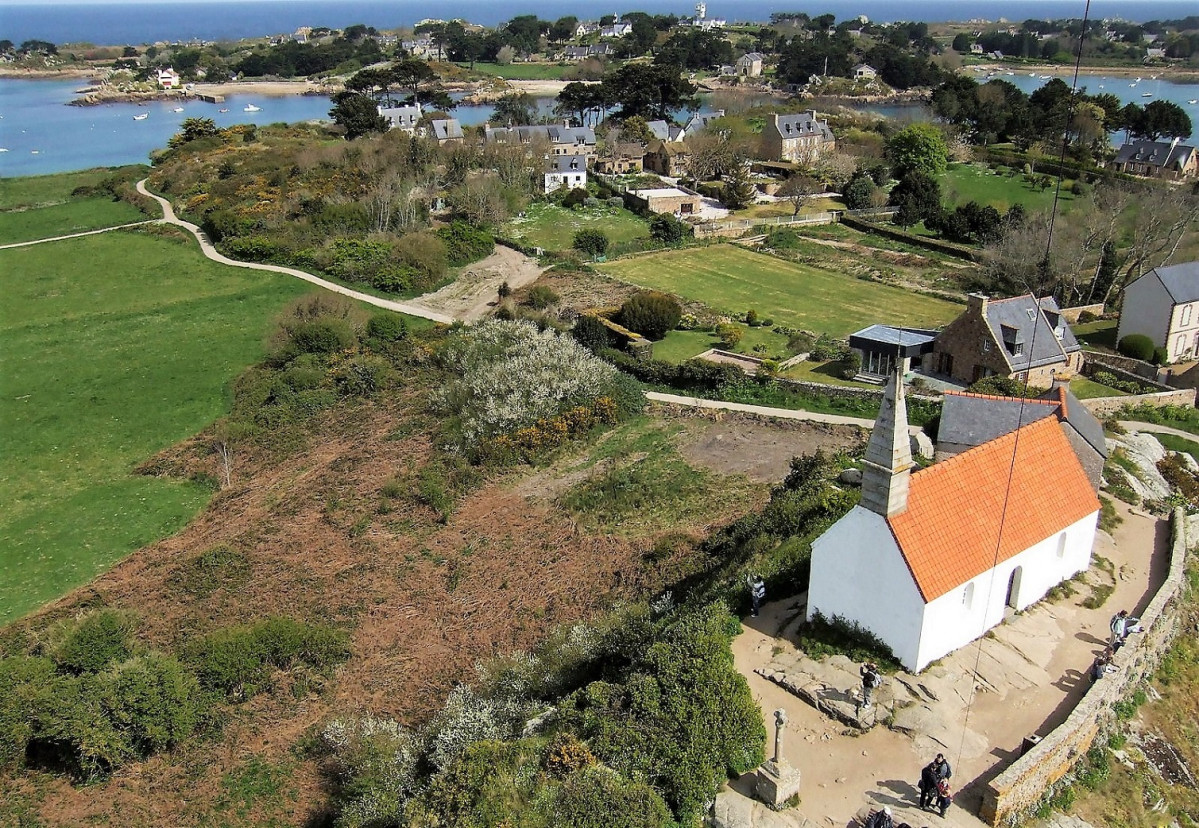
(1044, 267)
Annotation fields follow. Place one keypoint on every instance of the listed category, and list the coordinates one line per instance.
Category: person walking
(1121, 625)
(870, 680)
(757, 593)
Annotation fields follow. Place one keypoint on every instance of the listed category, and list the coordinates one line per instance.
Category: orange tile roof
(952, 526)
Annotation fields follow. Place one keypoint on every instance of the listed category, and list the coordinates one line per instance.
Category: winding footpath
(77, 235)
(169, 217)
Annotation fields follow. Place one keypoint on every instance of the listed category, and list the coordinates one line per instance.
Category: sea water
(105, 23)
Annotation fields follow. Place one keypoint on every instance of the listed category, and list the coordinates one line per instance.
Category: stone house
(445, 131)
(665, 131)
(798, 138)
(624, 158)
(700, 120)
(669, 158)
(673, 200)
(749, 65)
(562, 140)
(1023, 338)
(1158, 159)
(1164, 306)
(569, 171)
(930, 560)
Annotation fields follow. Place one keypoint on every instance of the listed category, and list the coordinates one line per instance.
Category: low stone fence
(1011, 796)
(1135, 368)
(1103, 407)
(1071, 314)
(736, 227)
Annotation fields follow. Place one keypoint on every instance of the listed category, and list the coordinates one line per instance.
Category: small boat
(222, 110)
(252, 108)
(177, 109)
(1193, 101)
(3, 149)
(1146, 94)
(141, 117)
(1138, 80)
(1032, 74)
(35, 152)
(1044, 77)
(1100, 86)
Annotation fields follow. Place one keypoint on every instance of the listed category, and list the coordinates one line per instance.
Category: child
(944, 796)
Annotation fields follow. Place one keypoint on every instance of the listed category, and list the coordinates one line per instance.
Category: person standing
(930, 776)
(757, 593)
(944, 796)
(870, 680)
(1117, 626)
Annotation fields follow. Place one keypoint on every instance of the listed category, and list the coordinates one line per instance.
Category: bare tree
(798, 189)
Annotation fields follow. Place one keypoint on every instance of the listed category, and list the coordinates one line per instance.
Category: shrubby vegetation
(89, 698)
(651, 717)
(508, 375)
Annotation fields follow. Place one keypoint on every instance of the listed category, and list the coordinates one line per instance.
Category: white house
(569, 171)
(167, 78)
(930, 560)
(401, 117)
(1164, 306)
(864, 71)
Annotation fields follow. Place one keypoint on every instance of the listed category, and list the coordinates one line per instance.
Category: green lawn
(115, 347)
(520, 71)
(1085, 389)
(42, 206)
(732, 280)
(553, 228)
(1099, 335)
(1173, 442)
(975, 182)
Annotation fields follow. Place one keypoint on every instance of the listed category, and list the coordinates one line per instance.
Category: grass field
(520, 71)
(116, 346)
(41, 206)
(975, 182)
(1100, 334)
(553, 228)
(732, 280)
(1086, 389)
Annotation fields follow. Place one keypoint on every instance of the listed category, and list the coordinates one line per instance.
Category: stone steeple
(888, 464)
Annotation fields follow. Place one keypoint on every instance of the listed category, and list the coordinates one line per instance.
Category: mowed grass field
(732, 280)
(962, 183)
(116, 346)
(552, 227)
(42, 206)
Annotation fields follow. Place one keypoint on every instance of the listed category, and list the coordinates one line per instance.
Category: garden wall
(1012, 796)
(1071, 314)
(1136, 369)
(894, 233)
(1103, 407)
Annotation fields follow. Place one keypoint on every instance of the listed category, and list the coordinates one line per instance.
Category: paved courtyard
(975, 706)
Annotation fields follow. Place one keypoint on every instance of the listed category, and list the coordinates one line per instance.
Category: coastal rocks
(1140, 453)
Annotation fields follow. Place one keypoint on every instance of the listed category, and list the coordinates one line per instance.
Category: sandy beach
(1167, 73)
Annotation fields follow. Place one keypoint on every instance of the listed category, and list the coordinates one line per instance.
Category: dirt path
(410, 308)
(76, 235)
(475, 291)
(1042, 653)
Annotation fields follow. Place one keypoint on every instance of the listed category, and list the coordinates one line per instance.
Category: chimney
(887, 467)
(976, 302)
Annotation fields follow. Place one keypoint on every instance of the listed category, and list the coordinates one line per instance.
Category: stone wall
(1135, 368)
(1103, 407)
(1071, 314)
(1010, 797)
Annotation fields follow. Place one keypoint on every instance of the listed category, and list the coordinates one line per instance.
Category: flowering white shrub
(381, 757)
(467, 718)
(510, 375)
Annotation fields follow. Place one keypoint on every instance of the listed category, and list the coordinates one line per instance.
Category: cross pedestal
(777, 780)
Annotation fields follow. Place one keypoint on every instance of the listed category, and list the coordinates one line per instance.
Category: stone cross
(780, 719)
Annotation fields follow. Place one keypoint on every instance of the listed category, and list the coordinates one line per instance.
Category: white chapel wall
(858, 574)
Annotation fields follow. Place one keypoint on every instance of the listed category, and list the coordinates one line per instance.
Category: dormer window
(1032, 313)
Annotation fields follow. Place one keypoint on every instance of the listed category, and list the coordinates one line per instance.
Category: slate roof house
(1023, 338)
(402, 117)
(1158, 159)
(969, 420)
(569, 171)
(664, 131)
(700, 120)
(563, 140)
(864, 71)
(797, 138)
(930, 560)
(1164, 306)
(446, 131)
(626, 157)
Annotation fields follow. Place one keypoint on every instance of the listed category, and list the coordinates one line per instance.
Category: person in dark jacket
(870, 680)
(757, 592)
(930, 775)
